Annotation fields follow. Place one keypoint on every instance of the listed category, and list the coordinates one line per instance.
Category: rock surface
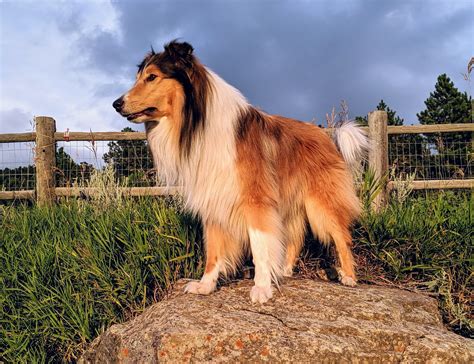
(309, 321)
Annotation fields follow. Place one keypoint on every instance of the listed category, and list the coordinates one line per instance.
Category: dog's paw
(199, 287)
(288, 271)
(348, 281)
(261, 294)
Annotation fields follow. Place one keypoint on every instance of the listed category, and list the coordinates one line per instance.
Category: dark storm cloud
(300, 58)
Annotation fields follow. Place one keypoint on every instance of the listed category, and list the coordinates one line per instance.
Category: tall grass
(424, 242)
(69, 272)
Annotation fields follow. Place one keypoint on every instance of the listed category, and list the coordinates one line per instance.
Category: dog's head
(170, 84)
(159, 85)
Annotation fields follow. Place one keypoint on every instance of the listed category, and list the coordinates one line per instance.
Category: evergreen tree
(393, 118)
(361, 120)
(131, 160)
(446, 105)
(450, 151)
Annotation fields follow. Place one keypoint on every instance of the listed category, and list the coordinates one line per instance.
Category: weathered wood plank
(428, 129)
(45, 159)
(437, 184)
(378, 153)
(127, 191)
(96, 136)
(17, 137)
(112, 135)
(17, 195)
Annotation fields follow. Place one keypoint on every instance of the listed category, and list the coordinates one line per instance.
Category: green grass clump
(69, 272)
(424, 242)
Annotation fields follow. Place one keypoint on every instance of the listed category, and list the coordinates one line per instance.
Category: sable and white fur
(254, 179)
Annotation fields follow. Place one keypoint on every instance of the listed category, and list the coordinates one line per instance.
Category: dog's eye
(150, 78)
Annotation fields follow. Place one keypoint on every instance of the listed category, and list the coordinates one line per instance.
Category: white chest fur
(209, 177)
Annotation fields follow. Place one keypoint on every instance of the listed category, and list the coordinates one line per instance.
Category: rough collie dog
(254, 179)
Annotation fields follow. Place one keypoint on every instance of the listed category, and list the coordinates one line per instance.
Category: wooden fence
(46, 136)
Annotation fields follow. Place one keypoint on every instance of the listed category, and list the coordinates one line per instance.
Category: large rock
(309, 321)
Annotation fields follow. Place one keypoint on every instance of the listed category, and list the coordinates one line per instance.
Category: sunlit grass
(425, 242)
(69, 272)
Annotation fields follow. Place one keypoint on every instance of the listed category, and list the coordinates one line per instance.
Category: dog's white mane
(212, 156)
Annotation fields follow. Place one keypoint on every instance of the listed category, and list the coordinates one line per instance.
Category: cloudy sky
(297, 58)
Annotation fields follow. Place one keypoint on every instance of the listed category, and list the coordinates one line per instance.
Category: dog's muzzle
(118, 104)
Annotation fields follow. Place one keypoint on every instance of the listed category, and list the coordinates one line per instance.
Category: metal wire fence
(130, 159)
(17, 166)
(75, 163)
(419, 157)
(432, 157)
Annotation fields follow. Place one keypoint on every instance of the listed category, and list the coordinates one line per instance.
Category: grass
(70, 271)
(424, 242)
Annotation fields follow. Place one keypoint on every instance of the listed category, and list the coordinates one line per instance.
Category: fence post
(378, 154)
(45, 160)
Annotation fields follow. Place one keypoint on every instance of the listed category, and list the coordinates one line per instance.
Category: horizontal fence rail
(105, 135)
(434, 184)
(125, 191)
(75, 136)
(430, 129)
(91, 191)
(45, 138)
(17, 137)
(117, 135)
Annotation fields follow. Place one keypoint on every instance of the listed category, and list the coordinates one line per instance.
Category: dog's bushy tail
(352, 142)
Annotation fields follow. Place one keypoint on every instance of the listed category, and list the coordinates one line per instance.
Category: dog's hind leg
(329, 222)
(295, 228)
(215, 238)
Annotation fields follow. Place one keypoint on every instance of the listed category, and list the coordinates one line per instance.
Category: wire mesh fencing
(431, 157)
(130, 159)
(446, 156)
(17, 166)
(76, 161)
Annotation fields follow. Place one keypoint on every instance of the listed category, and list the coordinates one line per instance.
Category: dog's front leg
(213, 239)
(267, 252)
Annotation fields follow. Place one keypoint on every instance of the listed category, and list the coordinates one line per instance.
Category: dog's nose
(118, 104)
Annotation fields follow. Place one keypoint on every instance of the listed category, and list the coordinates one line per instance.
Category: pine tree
(446, 105)
(393, 118)
(450, 151)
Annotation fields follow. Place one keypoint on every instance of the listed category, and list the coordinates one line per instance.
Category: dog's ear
(145, 61)
(180, 52)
